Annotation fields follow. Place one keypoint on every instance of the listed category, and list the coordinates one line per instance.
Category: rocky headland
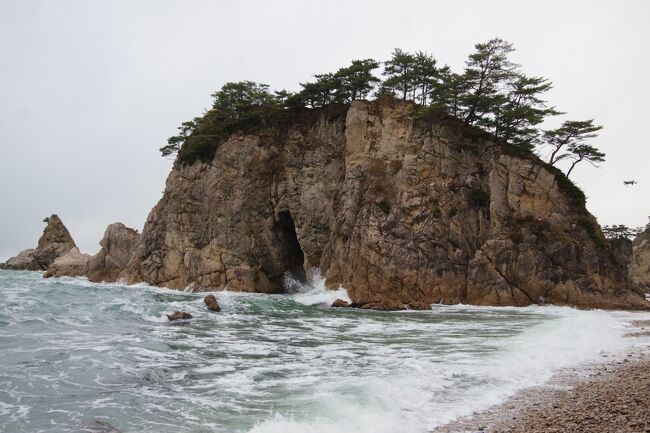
(396, 207)
(402, 209)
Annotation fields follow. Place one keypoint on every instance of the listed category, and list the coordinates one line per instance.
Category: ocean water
(82, 357)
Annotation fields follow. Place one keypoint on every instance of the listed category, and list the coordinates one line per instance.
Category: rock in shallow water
(211, 302)
(179, 315)
(340, 303)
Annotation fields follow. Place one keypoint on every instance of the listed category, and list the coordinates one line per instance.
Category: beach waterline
(76, 355)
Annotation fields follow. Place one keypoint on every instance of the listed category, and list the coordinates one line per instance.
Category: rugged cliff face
(395, 208)
(118, 245)
(640, 264)
(53, 243)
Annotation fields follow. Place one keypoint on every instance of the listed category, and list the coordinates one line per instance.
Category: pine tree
(584, 152)
(447, 92)
(424, 77)
(521, 110)
(174, 143)
(572, 133)
(399, 72)
(320, 92)
(355, 81)
(486, 72)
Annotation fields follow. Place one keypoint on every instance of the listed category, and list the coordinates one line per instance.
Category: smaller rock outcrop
(179, 315)
(211, 302)
(118, 244)
(72, 264)
(53, 243)
(340, 303)
(640, 265)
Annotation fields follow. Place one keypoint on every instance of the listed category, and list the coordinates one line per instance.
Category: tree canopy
(491, 93)
(569, 142)
(621, 231)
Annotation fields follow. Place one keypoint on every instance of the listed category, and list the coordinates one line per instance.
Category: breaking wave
(77, 355)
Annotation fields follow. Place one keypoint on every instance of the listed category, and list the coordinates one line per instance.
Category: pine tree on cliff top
(571, 133)
(491, 93)
(486, 71)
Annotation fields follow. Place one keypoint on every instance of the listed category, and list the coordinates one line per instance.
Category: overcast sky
(89, 90)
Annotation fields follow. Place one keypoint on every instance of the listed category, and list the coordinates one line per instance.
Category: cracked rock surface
(397, 209)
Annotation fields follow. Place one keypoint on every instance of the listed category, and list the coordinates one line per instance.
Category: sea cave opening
(292, 257)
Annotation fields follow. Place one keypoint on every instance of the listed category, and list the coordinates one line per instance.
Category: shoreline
(610, 396)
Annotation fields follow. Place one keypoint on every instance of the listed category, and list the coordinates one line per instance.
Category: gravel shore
(608, 398)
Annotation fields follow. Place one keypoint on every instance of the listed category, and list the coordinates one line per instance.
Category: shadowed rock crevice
(291, 254)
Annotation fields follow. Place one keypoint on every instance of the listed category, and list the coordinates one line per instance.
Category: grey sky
(89, 90)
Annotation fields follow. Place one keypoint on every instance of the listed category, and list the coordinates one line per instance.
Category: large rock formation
(53, 243)
(397, 209)
(117, 245)
(640, 263)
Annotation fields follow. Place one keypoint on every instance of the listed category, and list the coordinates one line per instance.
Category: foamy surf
(75, 352)
(315, 293)
(425, 393)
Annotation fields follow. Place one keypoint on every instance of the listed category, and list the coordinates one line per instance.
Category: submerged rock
(340, 303)
(179, 315)
(98, 426)
(394, 207)
(211, 302)
(53, 243)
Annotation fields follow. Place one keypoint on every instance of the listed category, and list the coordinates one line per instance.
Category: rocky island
(427, 187)
(431, 193)
(397, 208)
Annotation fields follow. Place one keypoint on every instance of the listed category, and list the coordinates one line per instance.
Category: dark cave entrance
(291, 253)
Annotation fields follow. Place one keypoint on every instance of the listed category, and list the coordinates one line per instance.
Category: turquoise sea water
(82, 357)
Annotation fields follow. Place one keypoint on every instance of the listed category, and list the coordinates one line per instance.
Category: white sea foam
(426, 393)
(315, 293)
(270, 363)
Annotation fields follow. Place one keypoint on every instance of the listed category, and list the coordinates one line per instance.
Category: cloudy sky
(89, 90)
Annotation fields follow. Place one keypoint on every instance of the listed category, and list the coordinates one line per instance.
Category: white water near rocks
(77, 357)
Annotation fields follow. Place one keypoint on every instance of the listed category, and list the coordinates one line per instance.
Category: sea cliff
(397, 207)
